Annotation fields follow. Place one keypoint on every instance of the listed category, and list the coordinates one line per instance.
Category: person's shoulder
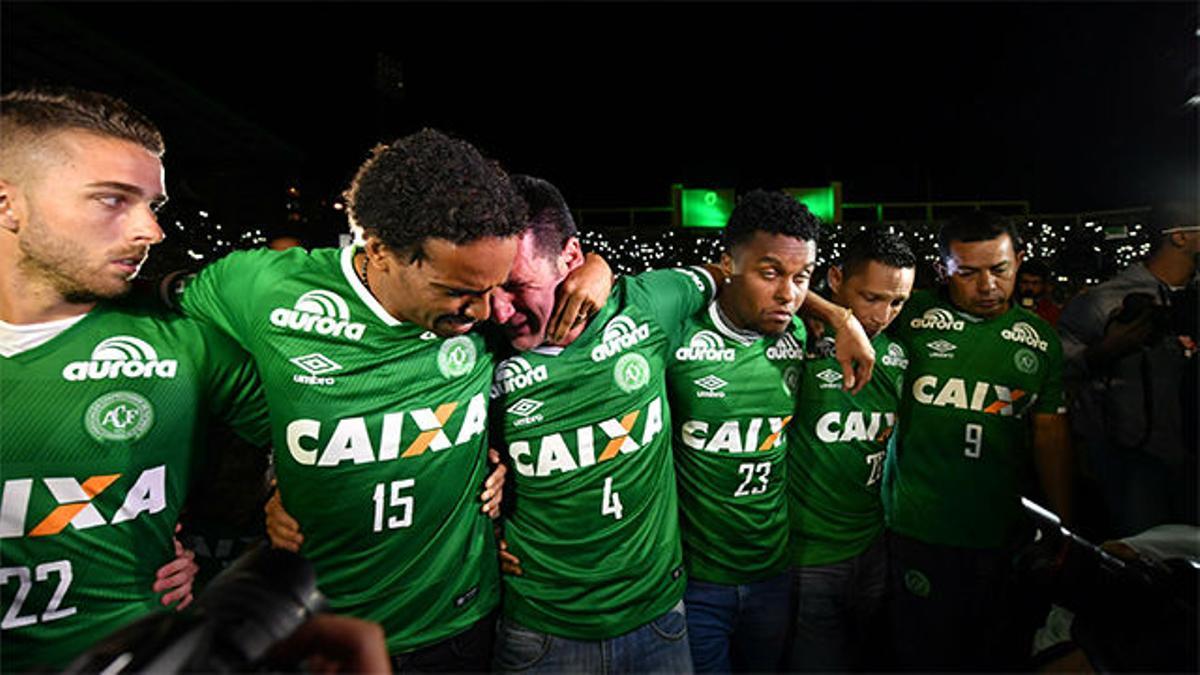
(1028, 325)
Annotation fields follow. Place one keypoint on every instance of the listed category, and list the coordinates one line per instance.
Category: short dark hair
(28, 114)
(549, 217)
(976, 226)
(1034, 268)
(773, 212)
(876, 243)
(429, 185)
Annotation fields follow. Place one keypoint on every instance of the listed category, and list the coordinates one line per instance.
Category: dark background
(1071, 106)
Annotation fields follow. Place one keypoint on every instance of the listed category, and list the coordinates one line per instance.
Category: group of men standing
(687, 488)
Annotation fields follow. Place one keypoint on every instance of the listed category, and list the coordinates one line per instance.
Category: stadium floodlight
(823, 202)
(702, 207)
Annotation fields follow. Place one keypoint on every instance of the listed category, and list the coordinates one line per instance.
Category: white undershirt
(17, 338)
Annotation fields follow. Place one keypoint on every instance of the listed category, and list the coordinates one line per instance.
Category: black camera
(1175, 316)
(1135, 614)
(257, 602)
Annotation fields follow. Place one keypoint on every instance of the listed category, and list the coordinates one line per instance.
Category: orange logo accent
(775, 436)
(61, 516)
(614, 445)
(997, 406)
(421, 443)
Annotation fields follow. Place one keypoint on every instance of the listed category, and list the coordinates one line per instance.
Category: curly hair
(772, 212)
(428, 185)
(876, 243)
(549, 217)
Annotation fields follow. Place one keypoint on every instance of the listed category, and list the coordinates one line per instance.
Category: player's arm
(284, 531)
(580, 295)
(1052, 459)
(854, 350)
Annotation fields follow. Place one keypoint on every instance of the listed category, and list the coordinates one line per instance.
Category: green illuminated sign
(822, 202)
(705, 208)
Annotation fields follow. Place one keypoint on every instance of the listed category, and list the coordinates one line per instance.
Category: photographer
(1129, 349)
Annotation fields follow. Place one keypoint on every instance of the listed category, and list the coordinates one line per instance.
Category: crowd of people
(497, 456)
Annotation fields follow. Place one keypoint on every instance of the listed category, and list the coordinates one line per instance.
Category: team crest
(1026, 361)
(791, 380)
(456, 357)
(632, 372)
(119, 416)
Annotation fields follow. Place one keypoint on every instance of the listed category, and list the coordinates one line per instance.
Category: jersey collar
(362, 291)
(725, 326)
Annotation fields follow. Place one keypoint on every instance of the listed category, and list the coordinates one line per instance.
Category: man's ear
(10, 207)
(570, 258)
(1020, 259)
(376, 252)
(727, 265)
(939, 266)
(834, 277)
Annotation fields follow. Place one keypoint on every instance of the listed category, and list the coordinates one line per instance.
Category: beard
(62, 263)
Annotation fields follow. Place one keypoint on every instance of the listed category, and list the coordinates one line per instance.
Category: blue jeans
(839, 613)
(660, 646)
(740, 628)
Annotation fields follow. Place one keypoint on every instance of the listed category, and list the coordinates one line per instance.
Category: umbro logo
(526, 410)
(941, 349)
(710, 387)
(830, 378)
(317, 365)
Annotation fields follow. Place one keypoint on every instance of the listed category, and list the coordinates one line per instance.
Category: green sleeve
(223, 293)
(235, 393)
(676, 294)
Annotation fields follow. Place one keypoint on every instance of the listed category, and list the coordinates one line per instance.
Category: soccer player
(731, 384)
(594, 521)
(105, 401)
(594, 518)
(836, 462)
(379, 391)
(982, 402)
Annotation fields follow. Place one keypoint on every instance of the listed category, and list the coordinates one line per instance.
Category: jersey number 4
(610, 502)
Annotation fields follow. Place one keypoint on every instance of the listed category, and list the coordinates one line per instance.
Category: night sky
(1071, 106)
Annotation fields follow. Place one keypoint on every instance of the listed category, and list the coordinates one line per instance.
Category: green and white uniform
(731, 395)
(379, 429)
(836, 462)
(595, 518)
(99, 430)
(962, 456)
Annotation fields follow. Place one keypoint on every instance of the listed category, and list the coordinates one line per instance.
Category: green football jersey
(100, 429)
(836, 461)
(380, 436)
(962, 455)
(731, 395)
(595, 518)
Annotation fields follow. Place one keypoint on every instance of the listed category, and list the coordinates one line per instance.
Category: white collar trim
(725, 326)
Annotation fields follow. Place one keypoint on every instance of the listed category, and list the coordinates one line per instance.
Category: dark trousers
(468, 652)
(959, 609)
(838, 610)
